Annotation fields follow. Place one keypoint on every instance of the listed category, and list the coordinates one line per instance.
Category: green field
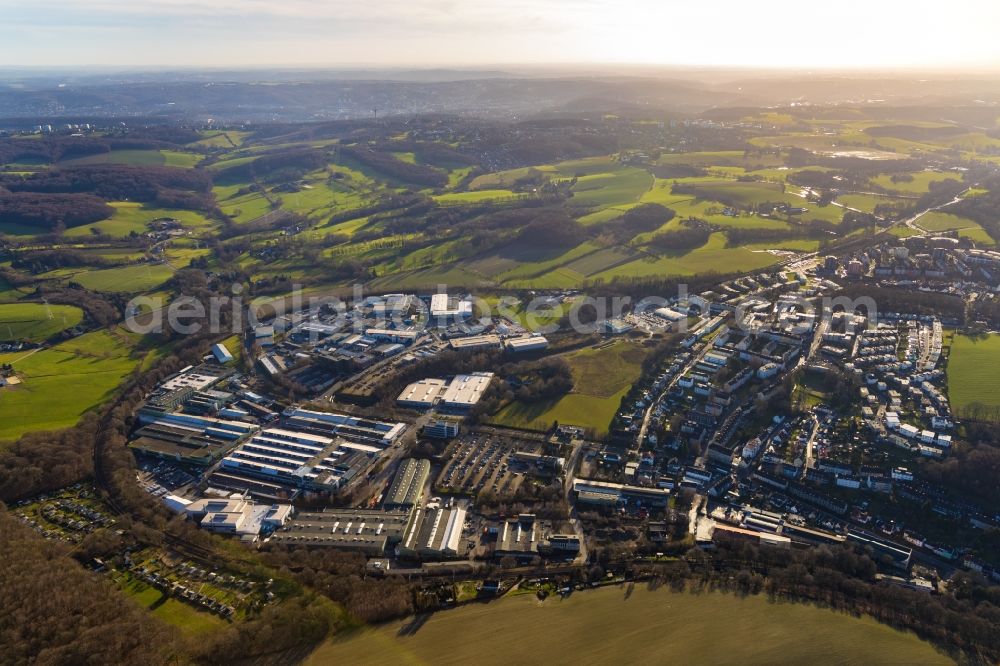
(972, 371)
(131, 279)
(711, 211)
(62, 382)
(601, 377)
(867, 202)
(938, 221)
(130, 216)
(476, 196)
(244, 208)
(601, 182)
(36, 321)
(919, 185)
(624, 185)
(713, 256)
(610, 626)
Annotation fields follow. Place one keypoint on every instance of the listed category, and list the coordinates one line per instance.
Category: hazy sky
(770, 33)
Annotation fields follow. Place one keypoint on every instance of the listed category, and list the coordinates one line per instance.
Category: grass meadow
(36, 321)
(601, 377)
(61, 383)
(613, 625)
(972, 371)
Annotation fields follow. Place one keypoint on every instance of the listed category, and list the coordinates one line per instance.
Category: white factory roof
(406, 333)
(527, 342)
(444, 306)
(296, 435)
(176, 503)
(669, 314)
(489, 340)
(466, 390)
(189, 380)
(423, 393)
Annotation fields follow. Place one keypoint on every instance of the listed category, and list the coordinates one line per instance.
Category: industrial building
(300, 460)
(611, 494)
(898, 556)
(371, 532)
(435, 532)
(369, 431)
(422, 394)
(197, 378)
(179, 388)
(461, 394)
(221, 354)
(670, 314)
(235, 515)
(489, 340)
(724, 532)
(448, 308)
(408, 485)
(264, 335)
(190, 442)
(399, 336)
(465, 391)
(518, 537)
(527, 343)
(223, 428)
(617, 327)
(561, 544)
(187, 437)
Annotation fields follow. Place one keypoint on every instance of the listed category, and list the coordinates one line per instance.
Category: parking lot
(478, 462)
(158, 477)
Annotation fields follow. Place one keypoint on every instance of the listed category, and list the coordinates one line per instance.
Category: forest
(52, 212)
(120, 183)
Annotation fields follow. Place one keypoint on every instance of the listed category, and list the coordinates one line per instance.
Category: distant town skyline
(890, 34)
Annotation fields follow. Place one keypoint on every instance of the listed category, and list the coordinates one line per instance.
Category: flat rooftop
(366, 530)
(464, 391)
(423, 393)
(474, 341)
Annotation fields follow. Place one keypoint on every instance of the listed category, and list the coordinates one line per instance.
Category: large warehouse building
(527, 343)
(464, 391)
(446, 308)
(300, 460)
(408, 485)
(423, 394)
(369, 431)
(435, 532)
(368, 531)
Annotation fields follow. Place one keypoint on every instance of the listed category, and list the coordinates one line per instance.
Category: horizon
(516, 70)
